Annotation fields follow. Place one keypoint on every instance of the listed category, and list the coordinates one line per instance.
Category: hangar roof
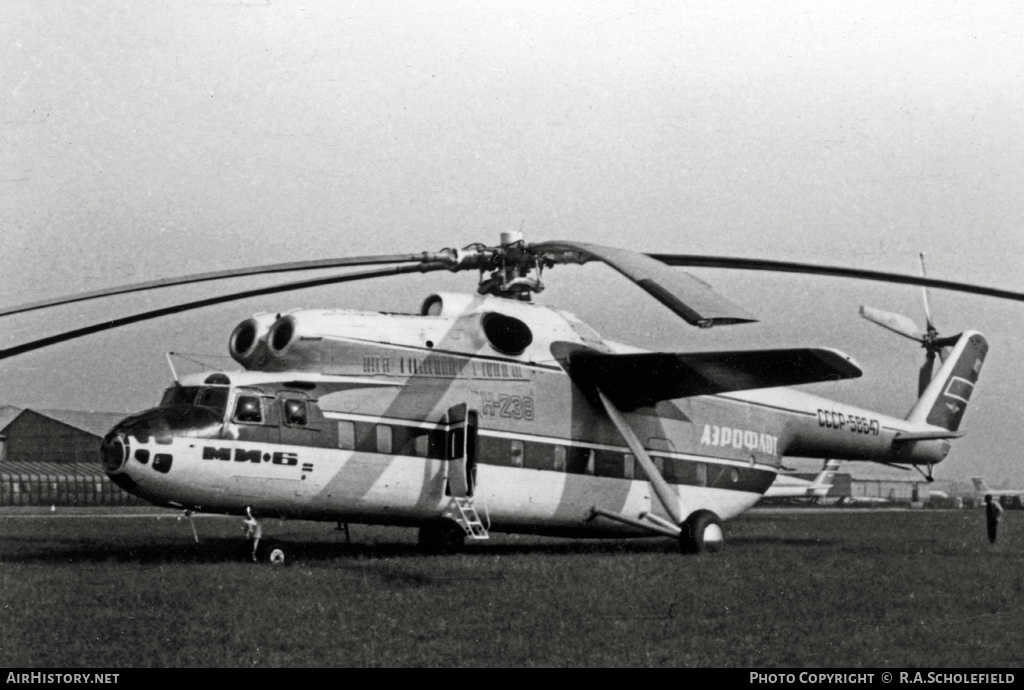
(96, 423)
(7, 415)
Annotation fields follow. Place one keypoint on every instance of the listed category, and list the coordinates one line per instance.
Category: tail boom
(923, 438)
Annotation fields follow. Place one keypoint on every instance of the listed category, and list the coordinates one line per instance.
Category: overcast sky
(143, 141)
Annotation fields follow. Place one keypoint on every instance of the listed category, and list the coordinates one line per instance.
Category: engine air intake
(281, 334)
(506, 334)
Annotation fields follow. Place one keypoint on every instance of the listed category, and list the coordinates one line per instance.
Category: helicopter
(488, 412)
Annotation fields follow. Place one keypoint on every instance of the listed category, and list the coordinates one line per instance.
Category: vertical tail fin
(823, 482)
(945, 399)
(980, 486)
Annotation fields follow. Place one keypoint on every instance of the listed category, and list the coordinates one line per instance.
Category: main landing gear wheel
(269, 552)
(441, 538)
(702, 533)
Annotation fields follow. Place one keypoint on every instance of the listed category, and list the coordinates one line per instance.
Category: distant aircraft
(862, 500)
(788, 486)
(1009, 498)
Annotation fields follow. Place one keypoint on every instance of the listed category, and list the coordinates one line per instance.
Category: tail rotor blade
(924, 297)
(897, 323)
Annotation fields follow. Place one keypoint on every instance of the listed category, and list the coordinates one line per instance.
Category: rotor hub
(511, 269)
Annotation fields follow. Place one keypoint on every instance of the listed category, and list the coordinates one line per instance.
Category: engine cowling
(248, 342)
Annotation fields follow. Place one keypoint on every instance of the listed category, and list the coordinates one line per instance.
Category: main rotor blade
(686, 295)
(210, 301)
(223, 275)
(836, 271)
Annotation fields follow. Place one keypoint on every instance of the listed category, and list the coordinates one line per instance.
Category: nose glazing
(114, 451)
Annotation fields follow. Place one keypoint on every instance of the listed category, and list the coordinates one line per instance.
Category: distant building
(847, 489)
(58, 436)
(52, 457)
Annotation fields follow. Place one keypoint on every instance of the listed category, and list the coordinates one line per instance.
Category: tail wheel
(702, 533)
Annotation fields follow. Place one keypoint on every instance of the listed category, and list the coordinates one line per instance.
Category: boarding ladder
(464, 512)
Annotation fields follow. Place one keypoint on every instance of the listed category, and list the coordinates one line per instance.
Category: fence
(50, 484)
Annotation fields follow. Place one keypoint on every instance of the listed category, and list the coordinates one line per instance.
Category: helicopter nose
(134, 437)
(130, 434)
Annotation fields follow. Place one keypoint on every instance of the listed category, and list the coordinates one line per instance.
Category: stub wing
(640, 379)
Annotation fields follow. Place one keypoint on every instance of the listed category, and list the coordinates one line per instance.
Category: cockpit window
(179, 395)
(247, 409)
(295, 412)
(215, 398)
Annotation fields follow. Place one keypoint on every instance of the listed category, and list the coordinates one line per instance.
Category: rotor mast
(510, 265)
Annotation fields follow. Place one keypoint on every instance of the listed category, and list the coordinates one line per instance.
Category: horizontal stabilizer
(636, 380)
(926, 435)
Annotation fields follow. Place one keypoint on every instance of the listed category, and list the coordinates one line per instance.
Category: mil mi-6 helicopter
(489, 412)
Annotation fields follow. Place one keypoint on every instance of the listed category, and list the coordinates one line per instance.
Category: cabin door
(461, 451)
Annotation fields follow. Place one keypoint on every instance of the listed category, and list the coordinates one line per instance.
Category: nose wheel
(268, 552)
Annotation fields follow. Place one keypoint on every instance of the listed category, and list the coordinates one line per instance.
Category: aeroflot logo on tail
(255, 455)
(739, 438)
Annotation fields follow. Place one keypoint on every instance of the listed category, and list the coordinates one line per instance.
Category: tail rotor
(929, 337)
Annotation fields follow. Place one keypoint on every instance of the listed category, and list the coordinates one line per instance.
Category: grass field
(800, 589)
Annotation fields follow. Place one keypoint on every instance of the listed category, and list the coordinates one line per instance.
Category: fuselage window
(162, 462)
(558, 464)
(627, 470)
(578, 460)
(518, 450)
(659, 464)
(494, 451)
(539, 456)
(420, 443)
(673, 470)
(608, 463)
(701, 470)
(247, 409)
(678, 471)
(346, 435)
(384, 438)
(295, 413)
